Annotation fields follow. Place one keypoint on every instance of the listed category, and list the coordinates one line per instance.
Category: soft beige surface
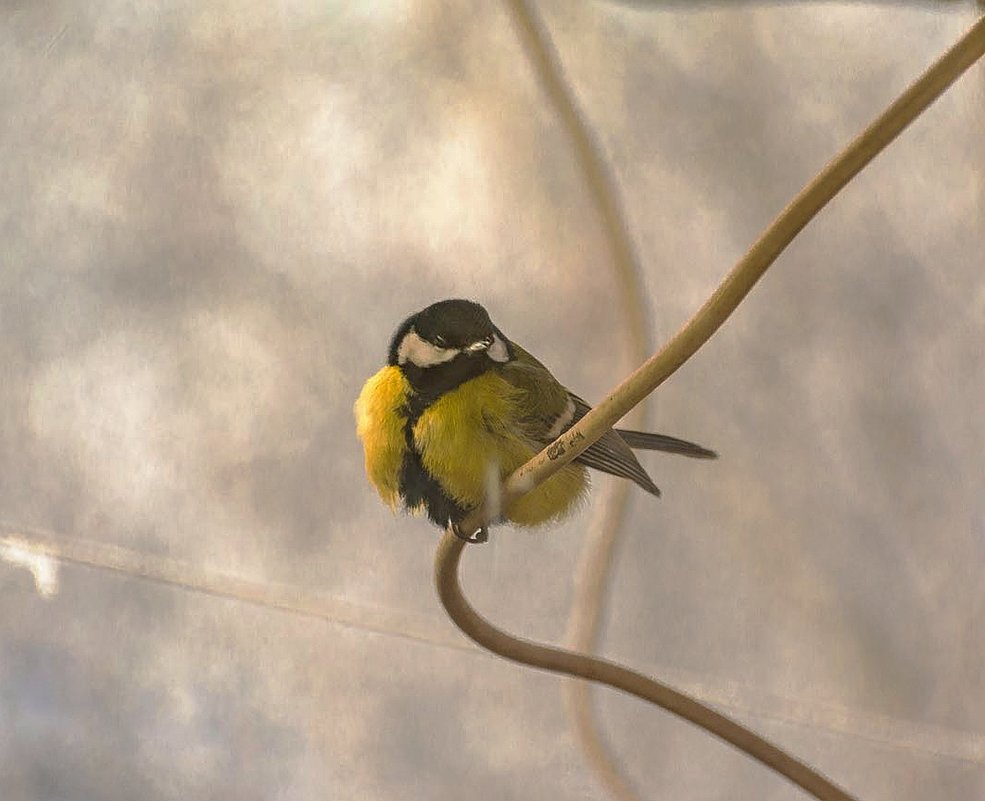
(213, 216)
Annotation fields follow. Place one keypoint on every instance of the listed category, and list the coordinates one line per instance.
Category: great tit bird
(459, 407)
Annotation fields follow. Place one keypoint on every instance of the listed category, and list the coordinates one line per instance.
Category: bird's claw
(478, 537)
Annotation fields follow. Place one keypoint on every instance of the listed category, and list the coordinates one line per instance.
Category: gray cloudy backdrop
(214, 214)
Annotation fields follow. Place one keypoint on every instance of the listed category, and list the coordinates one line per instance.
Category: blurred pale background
(213, 216)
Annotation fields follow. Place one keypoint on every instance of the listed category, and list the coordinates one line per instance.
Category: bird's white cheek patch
(497, 351)
(418, 351)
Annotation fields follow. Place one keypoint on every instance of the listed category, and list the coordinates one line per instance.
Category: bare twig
(595, 564)
(651, 374)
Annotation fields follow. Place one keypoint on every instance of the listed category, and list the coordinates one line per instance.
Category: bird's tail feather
(643, 440)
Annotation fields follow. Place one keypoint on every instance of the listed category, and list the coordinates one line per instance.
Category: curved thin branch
(651, 374)
(614, 675)
(737, 284)
(602, 535)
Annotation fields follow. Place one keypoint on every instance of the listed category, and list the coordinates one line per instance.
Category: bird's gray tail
(644, 441)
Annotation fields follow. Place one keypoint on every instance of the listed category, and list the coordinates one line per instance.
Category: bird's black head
(446, 344)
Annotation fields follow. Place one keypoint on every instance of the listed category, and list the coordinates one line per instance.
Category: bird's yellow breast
(473, 435)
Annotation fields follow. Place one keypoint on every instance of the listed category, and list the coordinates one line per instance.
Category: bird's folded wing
(611, 454)
(550, 410)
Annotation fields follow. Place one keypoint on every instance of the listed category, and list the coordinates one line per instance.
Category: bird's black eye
(440, 342)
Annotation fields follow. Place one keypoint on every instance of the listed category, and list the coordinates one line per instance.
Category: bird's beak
(475, 347)
(492, 346)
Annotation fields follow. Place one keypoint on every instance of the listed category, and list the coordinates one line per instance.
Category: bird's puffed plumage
(459, 407)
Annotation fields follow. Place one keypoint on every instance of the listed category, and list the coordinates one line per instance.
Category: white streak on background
(37, 547)
(43, 568)
(45, 548)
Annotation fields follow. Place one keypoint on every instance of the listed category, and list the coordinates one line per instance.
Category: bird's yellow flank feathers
(380, 426)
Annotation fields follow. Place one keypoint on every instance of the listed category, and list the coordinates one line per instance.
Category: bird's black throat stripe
(417, 486)
(430, 383)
